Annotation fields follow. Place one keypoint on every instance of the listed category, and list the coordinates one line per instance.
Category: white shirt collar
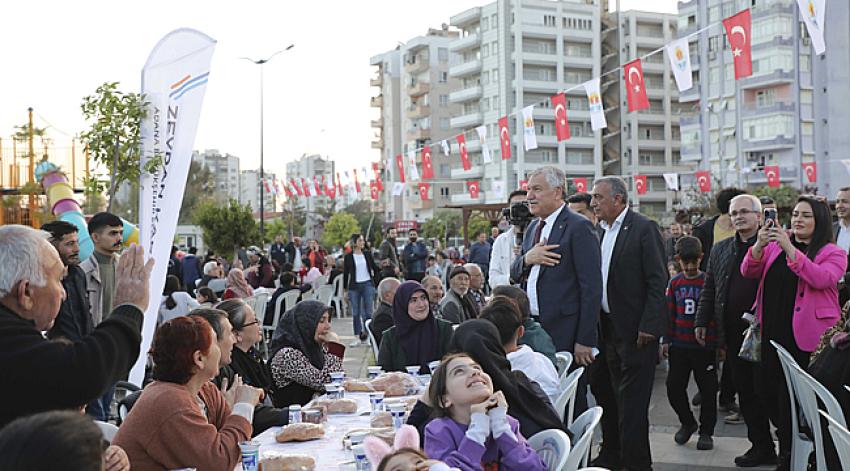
(842, 225)
(617, 222)
(554, 216)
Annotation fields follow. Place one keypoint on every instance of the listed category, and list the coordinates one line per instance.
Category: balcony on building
(773, 78)
(378, 143)
(377, 123)
(465, 69)
(476, 171)
(416, 202)
(418, 133)
(689, 95)
(777, 142)
(752, 109)
(417, 63)
(774, 7)
(464, 198)
(466, 18)
(377, 101)
(418, 89)
(418, 111)
(470, 41)
(689, 119)
(467, 94)
(467, 120)
(377, 81)
(540, 86)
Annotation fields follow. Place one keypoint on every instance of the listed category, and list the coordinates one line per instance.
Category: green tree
(274, 228)
(785, 196)
(294, 218)
(228, 227)
(478, 224)
(200, 188)
(93, 203)
(445, 223)
(114, 135)
(369, 221)
(338, 230)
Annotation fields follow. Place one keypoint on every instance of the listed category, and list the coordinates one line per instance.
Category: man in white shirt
(505, 249)
(842, 236)
(504, 313)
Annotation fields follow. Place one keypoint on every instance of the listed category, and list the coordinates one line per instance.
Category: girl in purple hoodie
(473, 430)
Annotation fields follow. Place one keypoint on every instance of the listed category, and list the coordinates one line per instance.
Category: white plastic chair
(108, 430)
(338, 298)
(841, 439)
(372, 341)
(582, 429)
(324, 294)
(552, 446)
(801, 445)
(567, 395)
(284, 302)
(809, 391)
(319, 282)
(564, 360)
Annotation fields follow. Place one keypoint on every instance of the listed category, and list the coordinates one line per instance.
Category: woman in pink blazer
(797, 300)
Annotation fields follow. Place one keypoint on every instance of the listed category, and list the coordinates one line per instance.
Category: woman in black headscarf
(527, 402)
(417, 338)
(304, 353)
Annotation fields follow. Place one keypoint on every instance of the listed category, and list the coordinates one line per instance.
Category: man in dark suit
(634, 278)
(842, 236)
(559, 264)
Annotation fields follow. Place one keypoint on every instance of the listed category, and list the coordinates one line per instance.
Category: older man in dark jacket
(40, 374)
(382, 318)
(74, 320)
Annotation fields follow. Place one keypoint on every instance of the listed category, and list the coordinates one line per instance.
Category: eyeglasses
(250, 323)
(742, 212)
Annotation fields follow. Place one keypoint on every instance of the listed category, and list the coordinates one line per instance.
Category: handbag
(751, 346)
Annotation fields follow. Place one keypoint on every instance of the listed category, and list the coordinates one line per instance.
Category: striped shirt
(682, 299)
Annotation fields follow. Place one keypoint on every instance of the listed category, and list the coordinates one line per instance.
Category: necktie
(538, 232)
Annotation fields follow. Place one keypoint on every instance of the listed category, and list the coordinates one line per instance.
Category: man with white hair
(476, 283)
(41, 374)
(382, 318)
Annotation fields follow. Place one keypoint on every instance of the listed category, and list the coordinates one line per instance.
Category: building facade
(306, 167)
(225, 170)
(251, 189)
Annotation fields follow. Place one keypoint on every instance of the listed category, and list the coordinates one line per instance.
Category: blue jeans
(362, 298)
(99, 407)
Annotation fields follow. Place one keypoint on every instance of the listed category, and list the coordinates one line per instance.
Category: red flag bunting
(266, 185)
(738, 29)
(464, 155)
(505, 137)
(562, 127)
(373, 189)
(276, 186)
(811, 169)
(356, 181)
(338, 186)
(635, 89)
(523, 185)
(640, 184)
(287, 190)
(331, 192)
(703, 181)
(317, 186)
(427, 168)
(305, 187)
(424, 188)
(399, 162)
(581, 184)
(297, 188)
(474, 189)
(772, 174)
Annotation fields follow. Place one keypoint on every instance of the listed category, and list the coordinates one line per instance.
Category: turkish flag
(373, 189)
(738, 29)
(772, 174)
(427, 169)
(581, 184)
(305, 187)
(505, 137)
(562, 127)
(423, 191)
(703, 181)
(338, 185)
(635, 89)
(640, 184)
(811, 169)
(464, 156)
(325, 186)
(331, 192)
(286, 190)
(316, 185)
(474, 188)
(266, 184)
(399, 162)
(297, 188)
(523, 185)
(356, 181)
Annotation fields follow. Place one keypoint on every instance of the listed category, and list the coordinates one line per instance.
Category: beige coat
(94, 287)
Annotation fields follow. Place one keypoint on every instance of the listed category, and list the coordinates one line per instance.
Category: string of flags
(738, 29)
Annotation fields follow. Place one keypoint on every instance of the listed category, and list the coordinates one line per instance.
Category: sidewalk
(729, 440)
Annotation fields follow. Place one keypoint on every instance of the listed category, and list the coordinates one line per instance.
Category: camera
(518, 214)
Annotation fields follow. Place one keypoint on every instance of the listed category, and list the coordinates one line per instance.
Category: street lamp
(261, 62)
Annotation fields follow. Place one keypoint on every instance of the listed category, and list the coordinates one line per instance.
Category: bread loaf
(300, 432)
(336, 406)
(288, 463)
(395, 384)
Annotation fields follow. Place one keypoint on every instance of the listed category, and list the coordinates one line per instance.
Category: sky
(316, 94)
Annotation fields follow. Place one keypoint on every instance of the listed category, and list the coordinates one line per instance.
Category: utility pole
(31, 172)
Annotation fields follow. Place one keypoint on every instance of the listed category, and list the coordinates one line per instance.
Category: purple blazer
(446, 440)
(816, 308)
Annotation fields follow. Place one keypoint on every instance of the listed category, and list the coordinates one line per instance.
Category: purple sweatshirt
(446, 440)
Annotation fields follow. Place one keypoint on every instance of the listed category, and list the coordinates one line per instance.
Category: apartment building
(308, 166)
(251, 188)
(416, 112)
(781, 115)
(225, 170)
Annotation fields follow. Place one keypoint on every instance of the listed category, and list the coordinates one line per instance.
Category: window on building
(485, 78)
(443, 55)
(769, 127)
(444, 124)
(549, 20)
(495, 75)
(766, 97)
(485, 50)
(494, 47)
(546, 156)
(485, 23)
(444, 192)
(714, 44)
(444, 100)
(807, 128)
(485, 104)
(444, 77)
(444, 171)
(806, 97)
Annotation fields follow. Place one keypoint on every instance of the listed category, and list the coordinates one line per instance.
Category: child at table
(404, 455)
(473, 431)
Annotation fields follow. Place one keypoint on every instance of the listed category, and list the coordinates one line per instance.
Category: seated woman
(237, 286)
(305, 353)
(175, 303)
(206, 297)
(473, 430)
(182, 420)
(417, 338)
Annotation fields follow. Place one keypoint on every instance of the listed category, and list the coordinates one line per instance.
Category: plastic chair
(801, 445)
(582, 429)
(567, 395)
(552, 446)
(372, 341)
(338, 298)
(563, 360)
(260, 302)
(841, 438)
(324, 294)
(319, 282)
(108, 430)
(809, 391)
(283, 303)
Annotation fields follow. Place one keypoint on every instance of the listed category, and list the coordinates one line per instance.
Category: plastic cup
(397, 411)
(374, 371)
(332, 390)
(376, 399)
(337, 377)
(412, 370)
(250, 455)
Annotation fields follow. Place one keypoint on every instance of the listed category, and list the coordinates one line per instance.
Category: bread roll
(337, 406)
(288, 463)
(395, 384)
(381, 419)
(300, 432)
(358, 385)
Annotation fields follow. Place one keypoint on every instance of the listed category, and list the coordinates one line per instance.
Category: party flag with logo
(464, 155)
(316, 185)
(482, 139)
(635, 89)
(738, 29)
(529, 136)
(411, 161)
(562, 127)
(445, 146)
(640, 184)
(813, 13)
(356, 181)
(398, 188)
(505, 138)
(305, 187)
(594, 100)
(523, 185)
(672, 181)
(679, 54)
(427, 166)
(297, 188)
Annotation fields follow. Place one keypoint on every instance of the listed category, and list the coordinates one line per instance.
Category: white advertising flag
(680, 61)
(446, 149)
(594, 100)
(411, 162)
(846, 163)
(174, 80)
(498, 189)
(672, 181)
(814, 15)
(398, 188)
(482, 138)
(528, 135)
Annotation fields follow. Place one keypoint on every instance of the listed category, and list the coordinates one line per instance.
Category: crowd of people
(588, 275)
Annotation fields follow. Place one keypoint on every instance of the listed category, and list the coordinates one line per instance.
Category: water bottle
(361, 463)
